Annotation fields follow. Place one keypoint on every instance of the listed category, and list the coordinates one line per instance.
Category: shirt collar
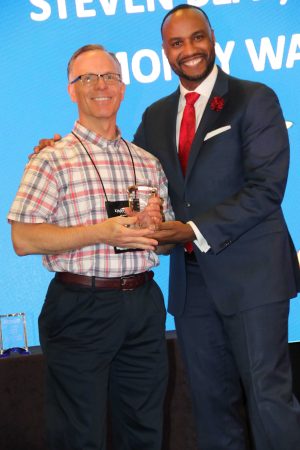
(205, 88)
(94, 138)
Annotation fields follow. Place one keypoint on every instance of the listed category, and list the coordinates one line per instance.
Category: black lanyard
(95, 167)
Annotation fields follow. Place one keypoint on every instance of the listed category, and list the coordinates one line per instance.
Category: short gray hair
(88, 48)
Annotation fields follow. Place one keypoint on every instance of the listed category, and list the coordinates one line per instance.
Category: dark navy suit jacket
(233, 189)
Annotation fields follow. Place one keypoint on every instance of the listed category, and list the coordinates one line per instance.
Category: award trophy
(138, 197)
(13, 335)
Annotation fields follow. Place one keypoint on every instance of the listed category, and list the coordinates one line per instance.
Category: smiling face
(189, 45)
(99, 103)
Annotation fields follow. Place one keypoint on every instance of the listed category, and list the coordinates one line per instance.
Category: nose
(100, 83)
(189, 47)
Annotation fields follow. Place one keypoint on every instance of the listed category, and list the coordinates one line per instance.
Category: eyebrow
(201, 31)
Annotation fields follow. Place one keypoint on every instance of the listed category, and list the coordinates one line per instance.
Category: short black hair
(184, 6)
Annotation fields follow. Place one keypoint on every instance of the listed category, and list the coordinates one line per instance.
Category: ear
(123, 89)
(213, 36)
(72, 92)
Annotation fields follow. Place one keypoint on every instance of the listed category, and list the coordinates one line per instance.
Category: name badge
(115, 209)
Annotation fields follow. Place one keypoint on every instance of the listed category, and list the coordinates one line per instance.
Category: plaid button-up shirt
(61, 186)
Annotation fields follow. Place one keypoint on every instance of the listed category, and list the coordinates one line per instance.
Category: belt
(126, 283)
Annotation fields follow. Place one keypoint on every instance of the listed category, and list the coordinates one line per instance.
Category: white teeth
(100, 99)
(193, 62)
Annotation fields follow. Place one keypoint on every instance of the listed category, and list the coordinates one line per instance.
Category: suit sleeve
(265, 161)
(139, 137)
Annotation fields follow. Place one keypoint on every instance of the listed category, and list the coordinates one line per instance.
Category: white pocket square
(216, 131)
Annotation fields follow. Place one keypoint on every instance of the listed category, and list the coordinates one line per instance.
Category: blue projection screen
(256, 39)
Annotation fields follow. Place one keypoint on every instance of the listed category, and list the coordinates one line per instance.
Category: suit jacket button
(187, 204)
(226, 243)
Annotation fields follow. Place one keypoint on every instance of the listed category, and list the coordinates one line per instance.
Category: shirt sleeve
(200, 240)
(37, 195)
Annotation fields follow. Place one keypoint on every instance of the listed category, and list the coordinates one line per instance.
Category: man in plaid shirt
(103, 321)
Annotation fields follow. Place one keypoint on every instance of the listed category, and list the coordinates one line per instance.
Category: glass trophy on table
(13, 335)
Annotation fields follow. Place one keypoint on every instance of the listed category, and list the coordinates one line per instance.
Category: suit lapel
(169, 159)
(208, 119)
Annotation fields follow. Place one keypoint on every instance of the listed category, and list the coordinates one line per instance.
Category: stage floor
(22, 394)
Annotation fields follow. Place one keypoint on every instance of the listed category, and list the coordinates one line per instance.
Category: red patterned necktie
(187, 129)
(186, 136)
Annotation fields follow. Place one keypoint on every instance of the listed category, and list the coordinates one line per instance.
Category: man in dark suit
(230, 296)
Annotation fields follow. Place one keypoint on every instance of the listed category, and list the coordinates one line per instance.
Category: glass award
(13, 334)
(138, 198)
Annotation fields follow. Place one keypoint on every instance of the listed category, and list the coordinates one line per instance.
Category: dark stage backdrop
(256, 39)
